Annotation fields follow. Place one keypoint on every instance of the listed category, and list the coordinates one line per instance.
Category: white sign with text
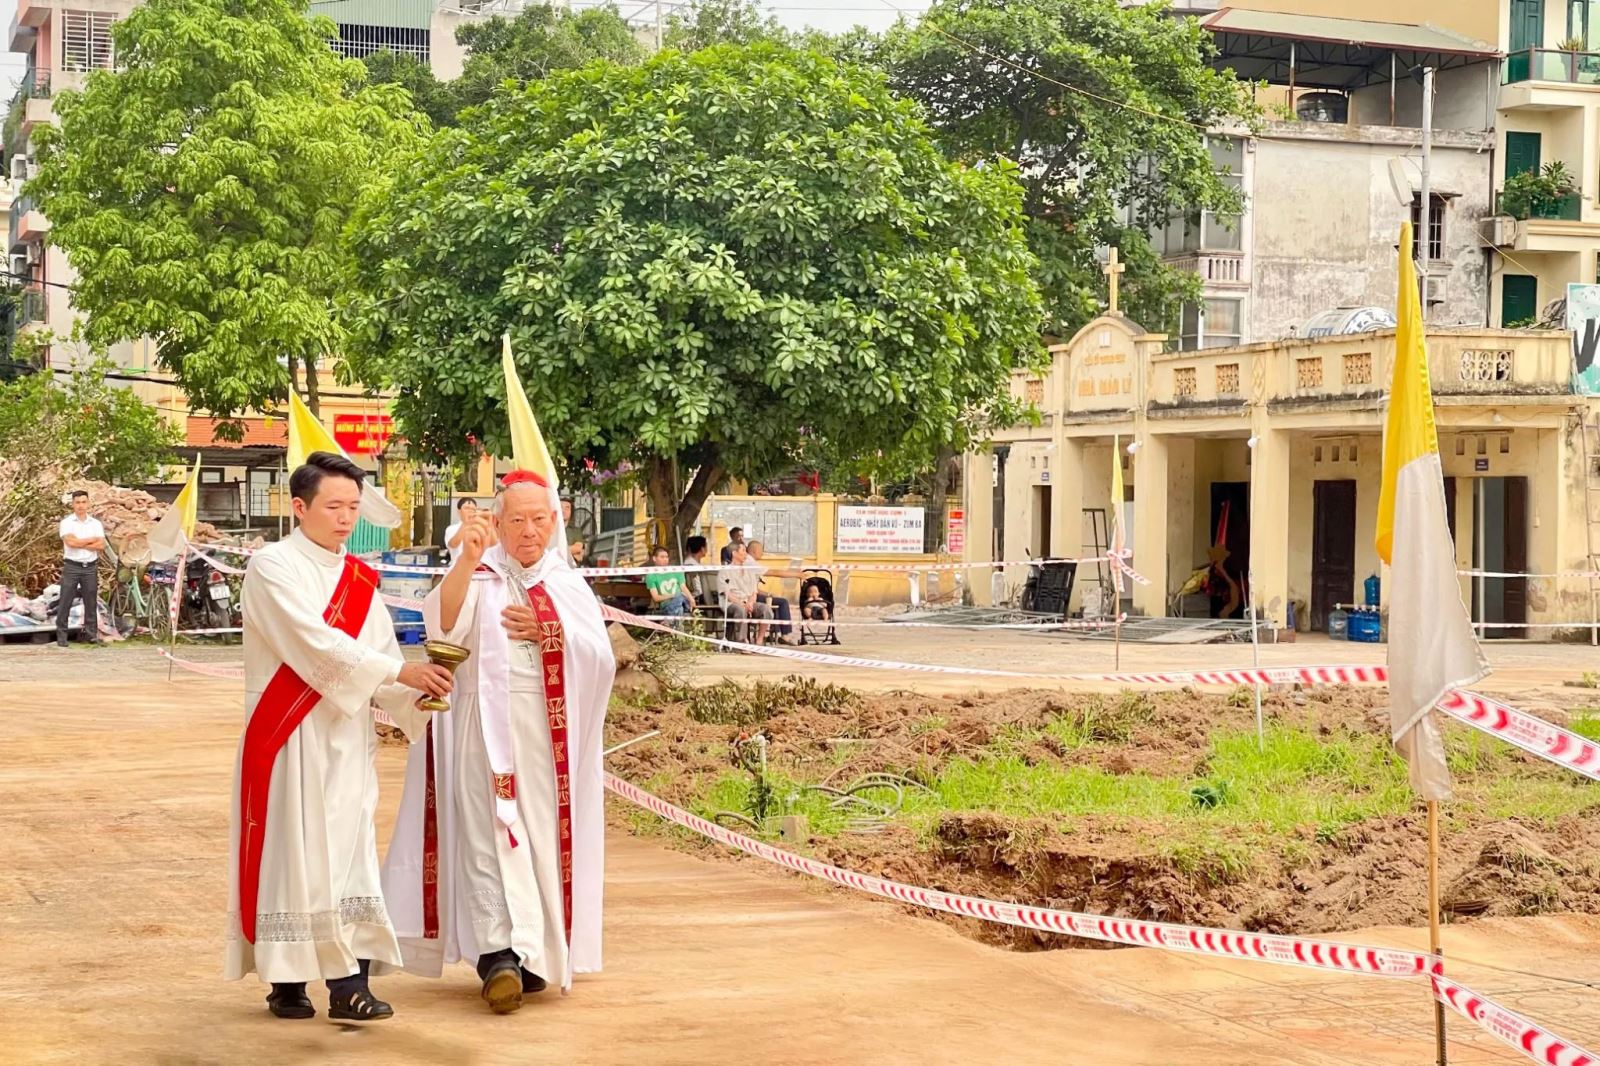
(881, 530)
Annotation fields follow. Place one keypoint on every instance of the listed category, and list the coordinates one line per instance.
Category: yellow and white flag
(307, 434)
(1432, 647)
(530, 455)
(175, 529)
(1119, 536)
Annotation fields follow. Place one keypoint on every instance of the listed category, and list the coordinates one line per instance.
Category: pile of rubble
(130, 514)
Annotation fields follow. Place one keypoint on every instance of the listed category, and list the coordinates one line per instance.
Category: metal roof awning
(1315, 52)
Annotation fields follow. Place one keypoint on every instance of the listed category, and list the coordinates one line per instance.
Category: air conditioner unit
(35, 253)
(19, 265)
(1435, 288)
(19, 168)
(1498, 231)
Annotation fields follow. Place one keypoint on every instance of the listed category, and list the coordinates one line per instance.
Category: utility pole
(1425, 213)
(658, 24)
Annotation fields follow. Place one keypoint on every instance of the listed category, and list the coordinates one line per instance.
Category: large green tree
(201, 190)
(1104, 107)
(702, 262)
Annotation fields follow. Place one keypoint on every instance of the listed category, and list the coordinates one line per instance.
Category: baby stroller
(816, 615)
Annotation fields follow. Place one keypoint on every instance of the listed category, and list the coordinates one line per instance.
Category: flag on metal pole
(1432, 648)
(1119, 536)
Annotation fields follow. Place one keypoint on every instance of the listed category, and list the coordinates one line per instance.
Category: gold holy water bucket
(442, 653)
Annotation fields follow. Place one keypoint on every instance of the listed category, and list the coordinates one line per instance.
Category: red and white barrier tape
(1513, 573)
(1533, 735)
(689, 568)
(1281, 675)
(1222, 943)
(1536, 1042)
(1070, 624)
(224, 670)
(1510, 1028)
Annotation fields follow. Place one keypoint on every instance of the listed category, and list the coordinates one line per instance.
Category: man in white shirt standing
(83, 538)
(466, 507)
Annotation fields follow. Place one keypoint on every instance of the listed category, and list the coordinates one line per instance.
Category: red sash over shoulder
(284, 704)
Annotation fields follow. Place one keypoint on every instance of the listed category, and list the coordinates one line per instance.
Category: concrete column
(1067, 503)
(1066, 497)
(977, 479)
(1150, 550)
(1269, 524)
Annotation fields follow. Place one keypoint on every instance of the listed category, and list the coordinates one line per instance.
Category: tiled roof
(258, 433)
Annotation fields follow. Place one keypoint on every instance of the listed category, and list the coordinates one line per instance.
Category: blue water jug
(1339, 624)
(1372, 588)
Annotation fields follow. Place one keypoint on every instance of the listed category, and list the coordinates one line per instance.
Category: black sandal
(290, 1001)
(531, 982)
(358, 1006)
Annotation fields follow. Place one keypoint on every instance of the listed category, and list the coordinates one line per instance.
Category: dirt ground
(1308, 880)
(114, 785)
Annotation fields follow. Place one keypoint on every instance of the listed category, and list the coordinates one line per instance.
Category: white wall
(1326, 220)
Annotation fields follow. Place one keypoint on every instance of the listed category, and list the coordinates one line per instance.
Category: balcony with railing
(1568, 208)
(1552, 65)
(31, 308)
(28, 223)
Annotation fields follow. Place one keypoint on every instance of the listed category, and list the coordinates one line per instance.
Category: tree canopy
(540, 40)
(1104, 109)
(202, 188)
(701, 261)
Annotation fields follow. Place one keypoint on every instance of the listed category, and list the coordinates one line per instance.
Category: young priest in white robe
(498, 852)
(304, 895)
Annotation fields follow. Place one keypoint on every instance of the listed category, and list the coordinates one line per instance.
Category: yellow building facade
(1272, 452)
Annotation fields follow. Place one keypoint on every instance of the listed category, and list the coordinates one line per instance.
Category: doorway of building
(1041, 521)
(1231, 500)
(1500, 544)
(1333, 549)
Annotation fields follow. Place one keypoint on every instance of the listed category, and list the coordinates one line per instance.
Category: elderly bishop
(498, 853)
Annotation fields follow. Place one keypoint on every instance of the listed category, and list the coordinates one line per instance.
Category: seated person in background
(741, 585)
(735, 538)
(780, 604)
(702, 586)
(667, 595)
(580, 552)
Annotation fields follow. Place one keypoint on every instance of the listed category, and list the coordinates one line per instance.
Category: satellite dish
(1400, 181)
(1346, 320)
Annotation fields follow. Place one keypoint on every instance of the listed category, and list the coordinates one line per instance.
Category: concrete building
(64, 40)
(1549, 112)
(1296, 513)
(1325, 176)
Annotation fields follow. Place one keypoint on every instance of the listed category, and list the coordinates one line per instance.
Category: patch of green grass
(931, 724)
(1586, 724)
(1542, 799)
(733, 792)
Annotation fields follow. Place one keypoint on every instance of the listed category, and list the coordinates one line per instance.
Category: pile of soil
(1370, 873)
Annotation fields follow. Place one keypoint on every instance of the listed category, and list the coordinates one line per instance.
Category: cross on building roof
(1113, 271)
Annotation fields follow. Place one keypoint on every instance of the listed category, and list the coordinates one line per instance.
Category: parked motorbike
(206, 600)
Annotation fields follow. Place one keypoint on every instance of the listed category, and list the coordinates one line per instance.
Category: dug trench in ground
(1134, 804)
(112, 893)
